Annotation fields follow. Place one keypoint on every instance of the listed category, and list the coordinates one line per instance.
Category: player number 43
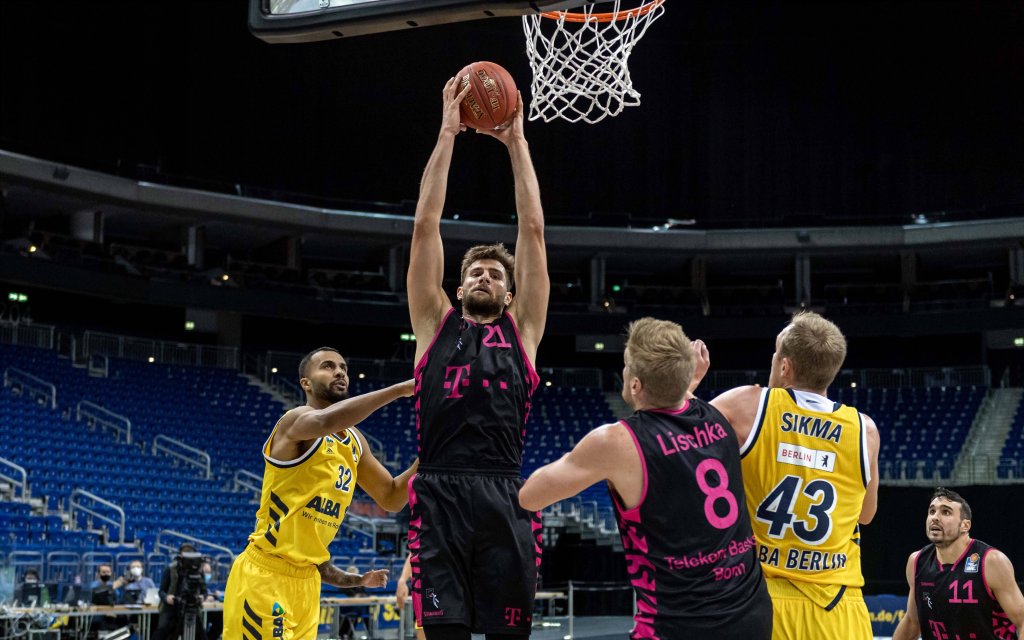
(776, 510)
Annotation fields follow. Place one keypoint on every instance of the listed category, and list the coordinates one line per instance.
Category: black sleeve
(165, 584)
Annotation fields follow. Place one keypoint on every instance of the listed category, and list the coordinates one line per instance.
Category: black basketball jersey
(689, 547)
(473, 390)
(954, 601)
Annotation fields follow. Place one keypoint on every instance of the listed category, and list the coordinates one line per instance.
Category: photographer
(182, 587)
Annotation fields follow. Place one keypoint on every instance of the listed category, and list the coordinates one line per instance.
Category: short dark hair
(953, 496)
(497, 252)
(304, 363)
(187, 547)
(31, 572)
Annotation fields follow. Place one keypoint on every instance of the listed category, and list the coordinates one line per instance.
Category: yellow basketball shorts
(797, 617)
(268, 598)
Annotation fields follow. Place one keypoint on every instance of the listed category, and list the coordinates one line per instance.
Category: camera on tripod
(190, 572)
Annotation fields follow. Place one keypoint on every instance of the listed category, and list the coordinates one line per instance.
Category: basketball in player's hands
(491, 102)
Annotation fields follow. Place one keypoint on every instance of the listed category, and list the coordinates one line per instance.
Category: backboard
(281, 21)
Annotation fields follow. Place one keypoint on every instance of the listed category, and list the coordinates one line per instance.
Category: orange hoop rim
(614, 16)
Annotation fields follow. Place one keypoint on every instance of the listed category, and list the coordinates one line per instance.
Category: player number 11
(968, 587)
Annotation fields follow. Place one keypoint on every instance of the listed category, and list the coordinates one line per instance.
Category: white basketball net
(581, 64)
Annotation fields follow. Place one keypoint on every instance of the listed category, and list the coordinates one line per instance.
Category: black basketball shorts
(475, 551)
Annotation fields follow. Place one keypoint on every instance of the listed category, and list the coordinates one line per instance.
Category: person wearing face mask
(104, 593)
(214, 619)
(104, 587)
(31, 591)
(134, 584)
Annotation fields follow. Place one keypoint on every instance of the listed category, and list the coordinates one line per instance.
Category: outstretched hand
(451, 119)
(511, 130)
(375, 578)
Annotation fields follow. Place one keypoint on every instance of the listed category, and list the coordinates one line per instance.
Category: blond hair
(660, 355)
(816, 347)
(496, 251)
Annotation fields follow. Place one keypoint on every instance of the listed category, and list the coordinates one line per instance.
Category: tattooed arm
(332, 575)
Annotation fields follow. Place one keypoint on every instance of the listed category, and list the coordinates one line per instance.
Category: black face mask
(104, 577)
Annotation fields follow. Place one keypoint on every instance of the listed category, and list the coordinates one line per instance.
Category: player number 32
(344, 482)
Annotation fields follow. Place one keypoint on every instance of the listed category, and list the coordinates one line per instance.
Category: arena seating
(1011, 463)
(215, 410)
(221, 412)
(922, 429)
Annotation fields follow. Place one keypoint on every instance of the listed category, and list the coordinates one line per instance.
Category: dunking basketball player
(810, 472)
(474, 564)
(673, 470)
(960, 587)
(313, 461)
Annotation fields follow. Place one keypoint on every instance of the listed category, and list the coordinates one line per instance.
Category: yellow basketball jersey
(304, 500)
(805, 473)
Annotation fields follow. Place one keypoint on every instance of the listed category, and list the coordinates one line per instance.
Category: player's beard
(329, 392)
(489, 307)
(947, 538)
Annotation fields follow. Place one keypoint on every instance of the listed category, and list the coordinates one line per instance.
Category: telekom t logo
(938, 630)
(460, 379)
(513, 615)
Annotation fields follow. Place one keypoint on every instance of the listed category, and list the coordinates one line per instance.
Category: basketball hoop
(580, 61)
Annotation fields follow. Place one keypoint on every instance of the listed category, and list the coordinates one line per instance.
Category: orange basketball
(492, 100)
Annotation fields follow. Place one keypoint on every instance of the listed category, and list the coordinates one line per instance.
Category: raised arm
(304, 424)
(390, 493)
(606, 453)
(427, 300)
(909, 627)
(739, 406)
(533, 288)
(874, 442)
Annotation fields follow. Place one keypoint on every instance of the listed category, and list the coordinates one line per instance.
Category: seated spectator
(104, 593)
(31, 592)
(214, 619)
(134, 584)
(104, 587)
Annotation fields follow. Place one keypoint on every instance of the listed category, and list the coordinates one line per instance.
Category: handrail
(376, 446)
(38, 384)
(351, 519)
(24, 477)
(74, 505)
(241, 481)
(205, 466)
(94, 411)
(27, 334)
(199, 542)
(288, 389)
(176, 353)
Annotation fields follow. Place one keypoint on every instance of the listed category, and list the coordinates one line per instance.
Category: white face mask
(137, 572)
